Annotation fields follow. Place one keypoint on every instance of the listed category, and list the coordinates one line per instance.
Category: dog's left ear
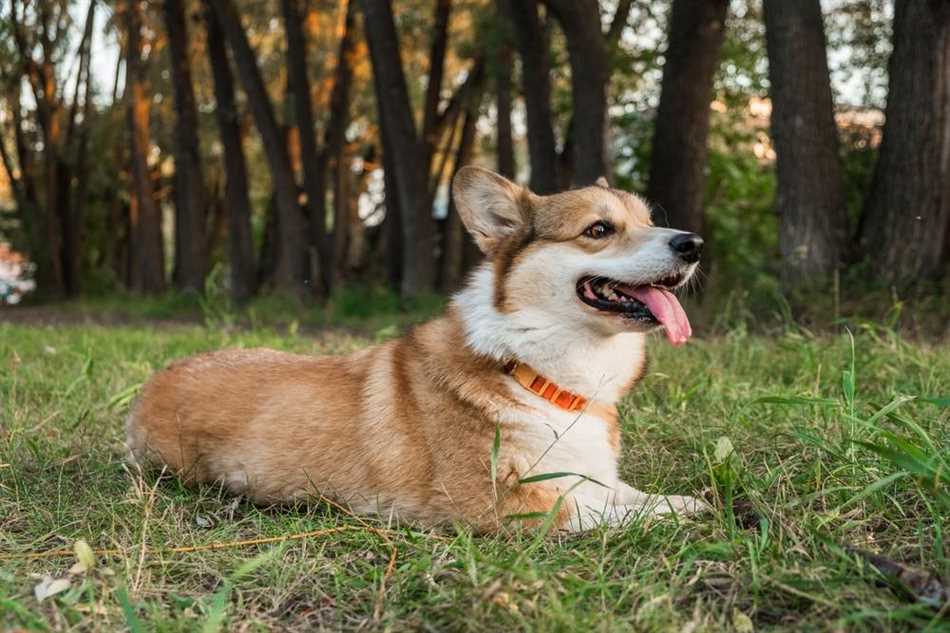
(602, 182)
(491, 206)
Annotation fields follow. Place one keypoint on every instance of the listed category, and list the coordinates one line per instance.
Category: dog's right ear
(490, 206)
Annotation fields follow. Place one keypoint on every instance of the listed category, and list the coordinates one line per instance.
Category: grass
(810, 446)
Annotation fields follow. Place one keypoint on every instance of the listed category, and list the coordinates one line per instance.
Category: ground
(807, 447)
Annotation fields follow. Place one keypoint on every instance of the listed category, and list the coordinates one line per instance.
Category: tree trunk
(453, 246)
(536, 87)
(504, 143)
(590, 74)
(292, 269)
(678, 165)
(146, 251)
(72, 165)
(191, 256)
(240, 239)
(335, 142)
(813, 221)
(907, 211)
(314, 166)
(392, 223)
(433, 96)
(400, 140)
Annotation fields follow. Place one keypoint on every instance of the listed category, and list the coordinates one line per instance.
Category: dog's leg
(658, 504)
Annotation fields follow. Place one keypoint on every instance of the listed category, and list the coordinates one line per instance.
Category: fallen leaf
(203, 521)
(50, 586)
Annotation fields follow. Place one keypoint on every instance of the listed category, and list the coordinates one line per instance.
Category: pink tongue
(667, 310)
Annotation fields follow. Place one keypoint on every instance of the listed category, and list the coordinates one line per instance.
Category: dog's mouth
(649, 305)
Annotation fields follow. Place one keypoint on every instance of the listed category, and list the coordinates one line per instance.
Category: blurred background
(186, 157)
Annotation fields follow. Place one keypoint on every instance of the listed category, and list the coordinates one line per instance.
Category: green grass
(806, 449)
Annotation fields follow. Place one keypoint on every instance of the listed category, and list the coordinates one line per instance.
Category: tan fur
(407, 425)
(405, 428)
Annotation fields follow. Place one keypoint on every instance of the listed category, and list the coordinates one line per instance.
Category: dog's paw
(676, 504)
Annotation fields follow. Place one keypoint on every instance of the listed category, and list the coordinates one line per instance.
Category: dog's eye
(599, 230)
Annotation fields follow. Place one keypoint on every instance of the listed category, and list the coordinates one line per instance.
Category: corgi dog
(503, 410)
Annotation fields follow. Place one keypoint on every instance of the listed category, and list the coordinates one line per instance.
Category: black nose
(688, 246)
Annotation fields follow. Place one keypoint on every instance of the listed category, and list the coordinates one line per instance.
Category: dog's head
(589, 257)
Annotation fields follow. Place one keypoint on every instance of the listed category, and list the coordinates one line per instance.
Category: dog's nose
(688, 246)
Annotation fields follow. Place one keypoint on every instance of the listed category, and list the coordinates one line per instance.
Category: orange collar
(561, 398)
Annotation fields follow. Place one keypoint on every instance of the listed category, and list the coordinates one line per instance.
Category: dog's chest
(548, 439)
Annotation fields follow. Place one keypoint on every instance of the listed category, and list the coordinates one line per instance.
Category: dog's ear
(602, 182)
(491, 206)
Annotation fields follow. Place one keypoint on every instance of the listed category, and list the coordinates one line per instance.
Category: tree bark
(677, 168)
(504, 143)
(590, 74)
(314, 165)
(74, 232)
(619, 22)
(433, 96)
(400, 139)
(240, 239)
(453, 246)
(813, 221)
(46, 238)
(536, 87)
(335, 142)
(907, 212)
(292, 269)
(147, 255)
(191, 256)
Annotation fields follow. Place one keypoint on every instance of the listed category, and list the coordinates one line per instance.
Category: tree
(314, 165)
(453, 244)
(907, 212)
(240, 240)
(677, 166)
(501, 70)
(399, 137)
(334, 142)
(590, 75)
(146, 251)
(191, 248)
(813, 222)
(292, 267)
(409, 174)
(536, 87)
(40, 36)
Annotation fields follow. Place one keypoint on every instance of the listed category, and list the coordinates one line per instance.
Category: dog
(501, 411)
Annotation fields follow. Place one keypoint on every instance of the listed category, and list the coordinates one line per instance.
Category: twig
(187, 549)
(381, 596)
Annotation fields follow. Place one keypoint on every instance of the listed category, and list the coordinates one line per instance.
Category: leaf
(495, 449)
(122, 399)
(85, 557)
(50, 586)
(940, 402)
(219, 603)
(559, 475)
(847, 386)
(909, 460)
(131, 618)
(796, 400)
(526, 516)
(724, 450)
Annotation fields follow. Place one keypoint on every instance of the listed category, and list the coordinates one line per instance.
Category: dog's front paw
(678, 504)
